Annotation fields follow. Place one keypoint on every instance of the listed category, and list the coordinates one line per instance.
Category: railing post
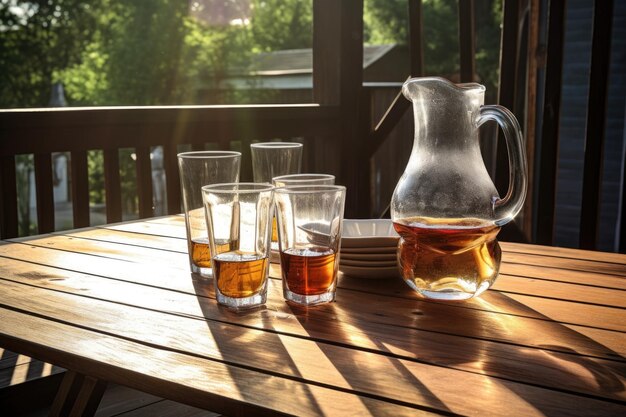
(596, 123)
(144, 181)
(338, 79)
(416, 50)
(112, 186)
(467, 38)
(172, 179)
(44, 193)
(508, 78)
(80, 188)
(550, 124)
(8, 198)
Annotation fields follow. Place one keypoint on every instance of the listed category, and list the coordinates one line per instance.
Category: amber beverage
(309, 233)
(451, 259)
(274, 234)
(201, 252)
(239, 216)
(308, 271)
(239, 275)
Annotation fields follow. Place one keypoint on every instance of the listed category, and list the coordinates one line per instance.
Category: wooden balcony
(342, 130)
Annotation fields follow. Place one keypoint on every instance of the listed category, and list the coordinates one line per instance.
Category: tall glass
(303, 179)
(272, 159)
(239, 216)
(309, 235)
(196, 170)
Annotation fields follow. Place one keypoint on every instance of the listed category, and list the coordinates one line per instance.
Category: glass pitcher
(445, 206)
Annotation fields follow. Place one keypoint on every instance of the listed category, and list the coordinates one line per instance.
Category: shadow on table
(471, 337)
(520, 345)
(232, 330)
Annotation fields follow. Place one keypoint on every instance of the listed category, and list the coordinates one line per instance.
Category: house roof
(300, 61)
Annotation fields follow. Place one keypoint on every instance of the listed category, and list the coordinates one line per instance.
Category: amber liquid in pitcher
(451, 259)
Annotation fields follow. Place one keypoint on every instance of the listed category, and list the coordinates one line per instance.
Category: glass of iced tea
(239, 222)
(196, 170)
(309, 236)
(297, 179)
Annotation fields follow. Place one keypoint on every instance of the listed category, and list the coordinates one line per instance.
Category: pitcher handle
(506, 208)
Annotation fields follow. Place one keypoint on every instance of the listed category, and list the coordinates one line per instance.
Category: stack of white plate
(368, 249)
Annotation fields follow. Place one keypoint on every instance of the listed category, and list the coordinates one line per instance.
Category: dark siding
(614, 147)
(577, 56)
(575, 91)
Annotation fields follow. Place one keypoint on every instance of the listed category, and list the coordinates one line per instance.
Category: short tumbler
(239, 218)
(309, 235)
(196, 170)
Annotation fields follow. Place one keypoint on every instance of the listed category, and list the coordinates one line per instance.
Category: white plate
(368, 233)
(370, 272)
(369, 250)
(368, 256)
(351, 262)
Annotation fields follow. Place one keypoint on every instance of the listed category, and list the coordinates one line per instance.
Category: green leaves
(386, 21)
(37, 39)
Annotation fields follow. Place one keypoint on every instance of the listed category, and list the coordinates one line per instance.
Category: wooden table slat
(560, 290)
(555, 251)
(614, 269)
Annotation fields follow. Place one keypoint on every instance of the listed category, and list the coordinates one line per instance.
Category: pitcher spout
(444, 112)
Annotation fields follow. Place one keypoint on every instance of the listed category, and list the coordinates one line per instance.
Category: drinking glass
(239, 219)
(198, 169)
(309, 235)
(303, 179)
(291, 180)
(272, 159)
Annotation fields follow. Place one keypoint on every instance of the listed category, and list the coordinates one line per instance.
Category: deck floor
(27, 388)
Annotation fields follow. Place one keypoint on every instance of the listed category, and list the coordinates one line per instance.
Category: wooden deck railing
(78, 130)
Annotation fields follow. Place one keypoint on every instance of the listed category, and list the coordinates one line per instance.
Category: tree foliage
(38, 38)
(281, 24)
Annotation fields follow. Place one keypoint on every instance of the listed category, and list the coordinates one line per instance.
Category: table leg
(78, 395)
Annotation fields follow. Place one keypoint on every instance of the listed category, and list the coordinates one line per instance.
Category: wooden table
(117, 303)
